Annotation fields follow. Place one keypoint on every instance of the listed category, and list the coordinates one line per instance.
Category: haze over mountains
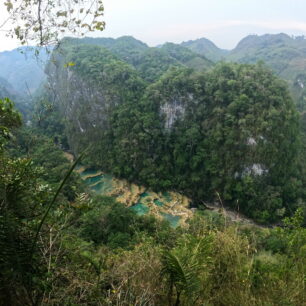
(23, 69)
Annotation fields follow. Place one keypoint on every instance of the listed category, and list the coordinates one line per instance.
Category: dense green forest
(282, 53)
(170, 119)
(93, 251)
(230, 133)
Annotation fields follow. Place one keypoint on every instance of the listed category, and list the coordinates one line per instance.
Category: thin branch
(51, 204)
(40, 22)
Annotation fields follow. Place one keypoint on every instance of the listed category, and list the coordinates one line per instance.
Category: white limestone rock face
(172, 111)
(251, 141)
(255, 169)
(300, 83)
(175, 109)
(84, 104)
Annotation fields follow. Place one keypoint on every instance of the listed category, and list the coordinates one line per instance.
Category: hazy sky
(224, 22)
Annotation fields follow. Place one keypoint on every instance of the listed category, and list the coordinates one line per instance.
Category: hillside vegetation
(231, 133)
(285, 55)
(167, 119)
(206, 48)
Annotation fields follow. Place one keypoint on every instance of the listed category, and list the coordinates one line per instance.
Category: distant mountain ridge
(141, 56)
(207, 48)
(6, 89)
(22, 103)
(23, 69)
(284, 54)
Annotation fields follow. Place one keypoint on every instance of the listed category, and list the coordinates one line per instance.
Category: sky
(225, 22)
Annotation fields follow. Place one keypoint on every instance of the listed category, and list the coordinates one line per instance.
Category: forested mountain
(151, 63)
(22, 103)
(206, 48)
(6, 89)
(227, 131)
(187, 57)
(125, 47)
(88, 91)
(285, 55)
(23, 69)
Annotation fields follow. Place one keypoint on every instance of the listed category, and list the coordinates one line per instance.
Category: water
(140, 209)
(103, 184)
(99, 183)
(93, 179)
(158, 202)
(145, 194)
(98, 187)
(107, 183)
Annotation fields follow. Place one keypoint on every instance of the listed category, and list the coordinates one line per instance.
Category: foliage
(116, 226)
(283, 54)
(9, 118)
(53, 19)
(96, 251)
(22, 196)
(186, 267)
(280, 52)
(151, 63)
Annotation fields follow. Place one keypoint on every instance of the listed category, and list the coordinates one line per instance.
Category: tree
(185, 268)
(9, 118)
(21, 203)
(44, 22)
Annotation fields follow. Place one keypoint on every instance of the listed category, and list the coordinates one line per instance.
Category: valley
(190, 188)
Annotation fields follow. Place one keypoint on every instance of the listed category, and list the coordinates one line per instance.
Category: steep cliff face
(172, 111)
(94, 81)
(90, 83)
(172, 96)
